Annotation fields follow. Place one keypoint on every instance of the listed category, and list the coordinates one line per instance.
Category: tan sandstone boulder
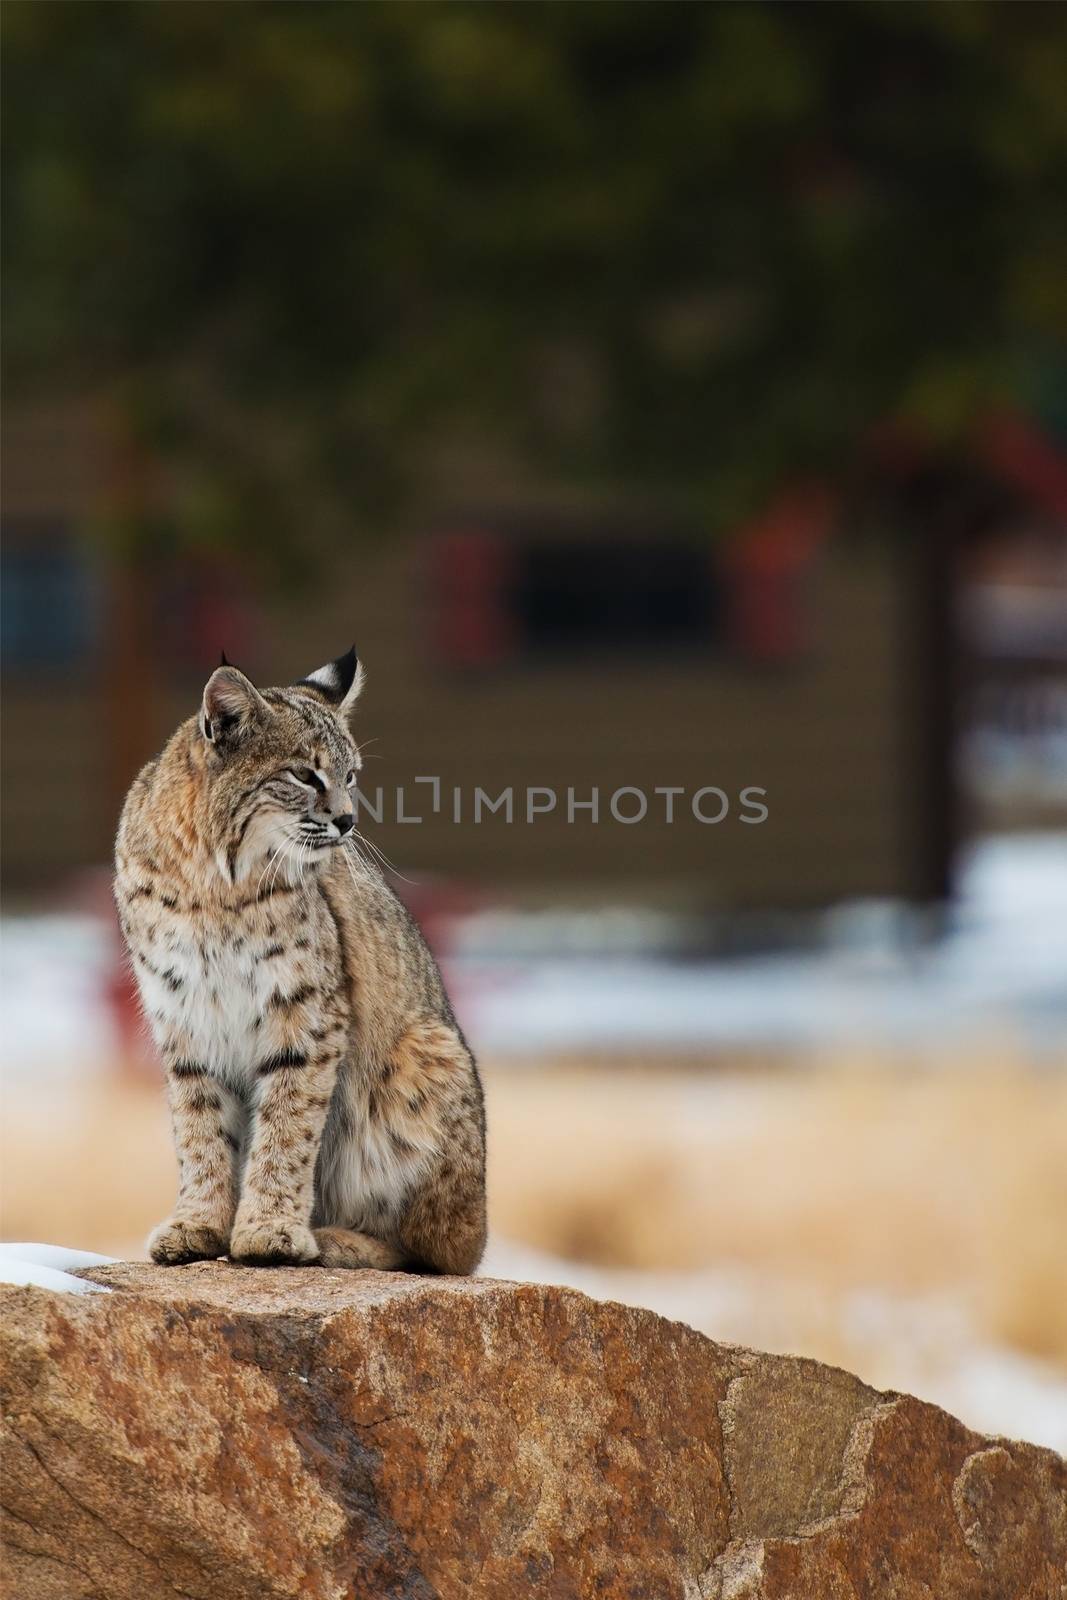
(218, 1432)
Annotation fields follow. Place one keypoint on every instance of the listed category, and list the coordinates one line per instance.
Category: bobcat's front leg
(200, 1111)
(293, 1090)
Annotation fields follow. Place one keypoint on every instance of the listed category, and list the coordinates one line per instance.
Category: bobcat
(325, 1105)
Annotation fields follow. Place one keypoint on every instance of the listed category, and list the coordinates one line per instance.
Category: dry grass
(88, 1165)
(951, 1182)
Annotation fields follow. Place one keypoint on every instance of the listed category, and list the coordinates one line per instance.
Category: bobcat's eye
(305, 777)
(350, 780)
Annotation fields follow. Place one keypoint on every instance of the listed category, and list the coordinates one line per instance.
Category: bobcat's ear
(340, 681)
(231, 704)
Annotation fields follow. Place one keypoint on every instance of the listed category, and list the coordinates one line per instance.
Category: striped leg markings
(200, 1111)
(293, 1089)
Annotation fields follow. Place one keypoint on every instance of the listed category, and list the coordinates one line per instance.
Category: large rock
(218, 1432)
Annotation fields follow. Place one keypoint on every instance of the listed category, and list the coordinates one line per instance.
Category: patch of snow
(49, 1266)
(58, 1256)
(998, 972)
(999, 969)
(54, 973)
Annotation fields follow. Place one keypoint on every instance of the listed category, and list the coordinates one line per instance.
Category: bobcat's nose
(343, 823)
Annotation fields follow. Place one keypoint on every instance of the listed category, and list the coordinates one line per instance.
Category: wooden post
(128, 667)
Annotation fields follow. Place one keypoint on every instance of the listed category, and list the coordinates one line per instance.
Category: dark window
(49, 598)
(595, 598)
(523, 594)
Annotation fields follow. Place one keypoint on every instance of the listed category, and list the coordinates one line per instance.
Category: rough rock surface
(220, 1432)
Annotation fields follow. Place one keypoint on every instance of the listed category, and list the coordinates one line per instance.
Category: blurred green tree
(685, 247)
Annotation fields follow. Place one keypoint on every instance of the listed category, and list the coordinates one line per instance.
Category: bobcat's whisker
(353, 859)
(282, 864)
(270, 860)
(363, 851)
(378, 852)
(279, 857)
(352, 853)
(291, 857)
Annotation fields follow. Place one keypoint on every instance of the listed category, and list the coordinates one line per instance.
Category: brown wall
(820, 735)
(823, 735)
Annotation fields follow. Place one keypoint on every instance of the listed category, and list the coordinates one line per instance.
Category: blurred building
(1013, 614)
(554, 645)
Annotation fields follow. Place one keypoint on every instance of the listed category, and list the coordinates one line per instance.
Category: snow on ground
(53, 974)
(50, 1266)
(1000, 971)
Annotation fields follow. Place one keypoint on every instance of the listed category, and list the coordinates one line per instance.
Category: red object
(768, 565)
(90, 892)
(471, 575)
(1023, 457)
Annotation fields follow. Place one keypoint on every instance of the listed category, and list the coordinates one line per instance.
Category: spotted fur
(325, 1105)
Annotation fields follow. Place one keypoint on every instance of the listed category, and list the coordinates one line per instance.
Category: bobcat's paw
(343, 1247)
(271, 1243)
(175, 1241)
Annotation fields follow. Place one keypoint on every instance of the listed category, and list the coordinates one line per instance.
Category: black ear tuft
(223, 661)
(339, 681)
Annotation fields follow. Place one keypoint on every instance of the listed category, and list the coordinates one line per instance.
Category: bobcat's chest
(208, 989)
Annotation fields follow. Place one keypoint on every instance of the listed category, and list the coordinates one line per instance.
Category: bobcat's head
(280, 765)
